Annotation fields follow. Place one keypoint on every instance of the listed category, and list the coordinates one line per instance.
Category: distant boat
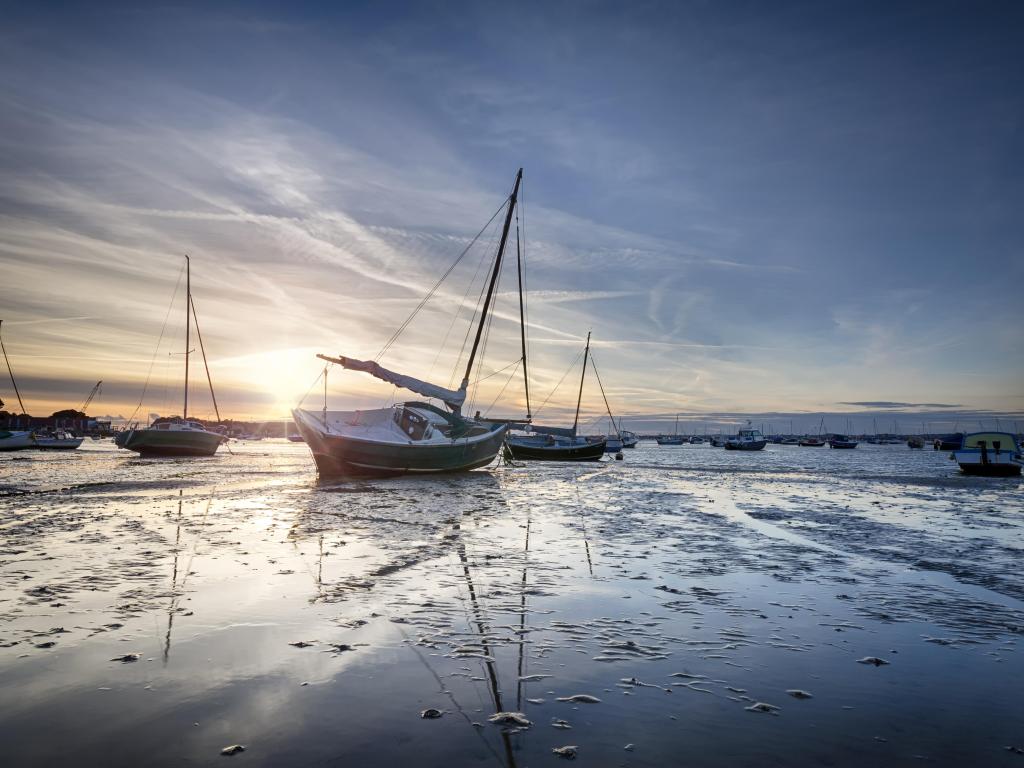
(176, 436)
(841, 441)
(59, 440)
(629, 439)
(23, 439)
(558, 443)
(990, 454)
(674, 439)
(748, 439)
(915, 442)
(412, 437)
(789, 441)
(811, 442)
(949, 442)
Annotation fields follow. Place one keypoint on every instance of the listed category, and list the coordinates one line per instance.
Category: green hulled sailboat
(177, 436)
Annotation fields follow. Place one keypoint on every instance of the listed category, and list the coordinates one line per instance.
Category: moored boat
(915, 442)
(411, 437)
(16, 440)
(949, 442)
(811, 442)
(559, 443)
(748, 439)
(989, 454)
(177, 436)
(841, 441)
(59, 440)
(171, 437)
(674, 439)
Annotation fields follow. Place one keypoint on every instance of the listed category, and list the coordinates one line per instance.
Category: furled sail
(453, 398)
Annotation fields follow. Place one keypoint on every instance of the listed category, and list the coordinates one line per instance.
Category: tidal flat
(686, 606)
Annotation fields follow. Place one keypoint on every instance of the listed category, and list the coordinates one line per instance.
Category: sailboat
(558, 443)
(14, 440)
(410, 437)
(177, 436)
(674, 439)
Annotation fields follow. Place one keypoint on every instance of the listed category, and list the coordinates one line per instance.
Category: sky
(774, 209)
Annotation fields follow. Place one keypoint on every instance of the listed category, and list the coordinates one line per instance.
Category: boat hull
(58, 443)
(16, 441)
(589, 452)
(152, 442)
(842, 444)
(757, 445)
(341, 456)
(992, 469)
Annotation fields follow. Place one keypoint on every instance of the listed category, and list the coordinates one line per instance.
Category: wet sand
(688, 606)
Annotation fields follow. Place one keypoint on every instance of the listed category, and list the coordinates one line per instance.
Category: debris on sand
(568, 751)
(760, 706)
(431, 714)
(301, 644)
(47, 644)
(234, 749)
(581, 698)
(128, 658)
(533, 678)
(512, 718)
(561, 724)
(796, 693)
(874, 660)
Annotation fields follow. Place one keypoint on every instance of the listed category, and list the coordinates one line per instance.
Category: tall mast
(579, 399)
(11, 372)
(522, 319)
(494, 279)
(188, 301)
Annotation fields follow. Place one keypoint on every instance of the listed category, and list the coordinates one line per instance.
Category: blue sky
(756, 207)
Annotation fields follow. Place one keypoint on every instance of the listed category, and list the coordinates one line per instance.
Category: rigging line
(567, 371)
(488, 258)
(16, 392)
(437, 285)
(156, 351)
(495, 373)
(603, 395)
(458, 310)
(321, 373)
(507, 382)
(206, 365)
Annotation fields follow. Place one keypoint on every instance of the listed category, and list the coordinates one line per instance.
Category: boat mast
(494, 279)
(579, 398)
(11, 372)
(522, 319)
(188, 301)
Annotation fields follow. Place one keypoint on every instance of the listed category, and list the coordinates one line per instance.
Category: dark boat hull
(589, 452)
(755, 446)
(842, 444)
(339, 456)
(991, 469)
(152, 442)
